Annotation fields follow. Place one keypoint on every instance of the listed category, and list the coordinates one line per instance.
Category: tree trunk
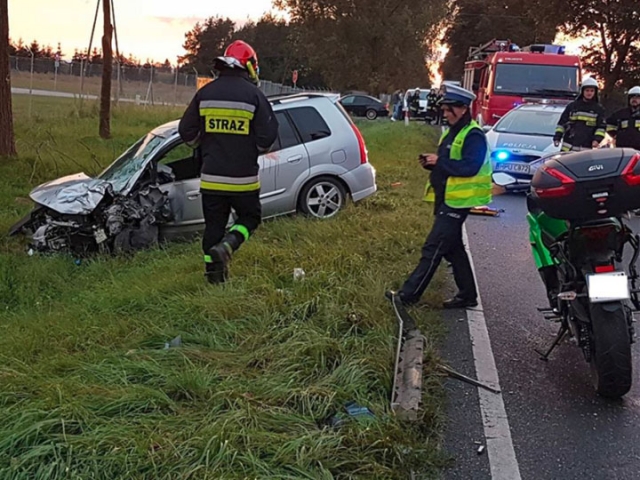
(107, 70)
(7, 140)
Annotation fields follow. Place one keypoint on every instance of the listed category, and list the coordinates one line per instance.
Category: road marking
(502, 456)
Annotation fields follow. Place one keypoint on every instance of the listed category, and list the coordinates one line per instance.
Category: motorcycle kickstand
(561, 333)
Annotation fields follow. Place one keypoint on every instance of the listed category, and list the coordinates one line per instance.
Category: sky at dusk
(146, 28)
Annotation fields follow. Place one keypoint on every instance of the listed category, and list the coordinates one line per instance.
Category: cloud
(187, 23)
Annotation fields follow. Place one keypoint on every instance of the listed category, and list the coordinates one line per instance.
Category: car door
(348, 104)
(360, 105)
(287, 164)
(184, 192)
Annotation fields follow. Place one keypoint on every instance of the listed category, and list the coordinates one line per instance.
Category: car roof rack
(286, 98)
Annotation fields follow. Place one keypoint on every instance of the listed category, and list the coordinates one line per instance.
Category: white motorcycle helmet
(633, 92)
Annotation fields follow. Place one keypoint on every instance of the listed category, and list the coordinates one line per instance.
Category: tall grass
(89, 391)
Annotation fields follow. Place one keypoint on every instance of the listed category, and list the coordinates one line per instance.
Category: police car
(521, 137)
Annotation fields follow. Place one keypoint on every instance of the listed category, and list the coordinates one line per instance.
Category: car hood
(71, 195)
(521, 144)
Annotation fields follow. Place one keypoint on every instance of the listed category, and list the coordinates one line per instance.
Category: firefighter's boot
(215, 272)
(222, 252)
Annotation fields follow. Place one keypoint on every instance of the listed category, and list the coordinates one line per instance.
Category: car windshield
(120, 172)
(536, 80)
(528, 122)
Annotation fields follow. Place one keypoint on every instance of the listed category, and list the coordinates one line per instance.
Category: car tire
(323, 197)
(371, 114)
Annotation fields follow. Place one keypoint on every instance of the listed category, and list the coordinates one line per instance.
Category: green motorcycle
(577, 237)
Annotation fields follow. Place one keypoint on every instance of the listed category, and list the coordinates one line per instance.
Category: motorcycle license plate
(512, 167)
(608, 287)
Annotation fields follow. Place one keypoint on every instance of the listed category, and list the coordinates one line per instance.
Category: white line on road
(502, 456)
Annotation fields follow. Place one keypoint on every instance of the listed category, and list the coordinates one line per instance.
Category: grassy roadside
(88, 391)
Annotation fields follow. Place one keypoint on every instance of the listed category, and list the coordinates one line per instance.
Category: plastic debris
(176, 342)
(487, 211)
(298, 274)
(351, 410)
(481, 449)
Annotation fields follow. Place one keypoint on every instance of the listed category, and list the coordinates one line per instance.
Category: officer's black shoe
(457, 302)
(389, 296)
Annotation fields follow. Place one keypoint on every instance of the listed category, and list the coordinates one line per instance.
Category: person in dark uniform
(231, 122)
(432, 106)
(582, 125)
(460, 180)
(624, 125)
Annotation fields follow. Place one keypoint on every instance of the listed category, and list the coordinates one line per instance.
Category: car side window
(361, 100)
(310, 124)
(348, 100)
(179, 152)
(286, 134)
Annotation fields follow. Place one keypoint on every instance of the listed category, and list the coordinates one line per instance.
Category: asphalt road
(559, 427)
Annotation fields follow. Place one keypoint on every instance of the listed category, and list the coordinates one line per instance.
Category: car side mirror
(486, 128)
(503, 179)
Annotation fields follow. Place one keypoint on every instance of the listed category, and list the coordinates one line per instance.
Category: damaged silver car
(151, 193)
(118, 211)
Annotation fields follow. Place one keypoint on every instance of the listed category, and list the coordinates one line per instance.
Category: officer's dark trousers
(217, 208)
(444, 241)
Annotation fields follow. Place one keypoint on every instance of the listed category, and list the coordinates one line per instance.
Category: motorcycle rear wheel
(611, 365)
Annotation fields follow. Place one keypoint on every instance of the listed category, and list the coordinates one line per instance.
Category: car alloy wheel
(323, 199)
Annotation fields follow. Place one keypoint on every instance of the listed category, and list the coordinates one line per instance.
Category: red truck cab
(503, 76)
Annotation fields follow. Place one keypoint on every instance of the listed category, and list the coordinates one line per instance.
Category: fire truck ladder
(495, 45)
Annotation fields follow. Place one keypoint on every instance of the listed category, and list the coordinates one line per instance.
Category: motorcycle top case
(588, 185)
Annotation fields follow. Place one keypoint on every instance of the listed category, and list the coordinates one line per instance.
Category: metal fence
(140, 84)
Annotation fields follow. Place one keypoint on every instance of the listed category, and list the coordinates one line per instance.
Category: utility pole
(7, 140)
(107, 71)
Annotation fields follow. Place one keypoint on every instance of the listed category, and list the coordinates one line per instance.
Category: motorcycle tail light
(628, 175)
(564, 190)
(605, 269)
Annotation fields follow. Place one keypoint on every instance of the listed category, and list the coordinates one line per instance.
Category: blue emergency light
(502, 155)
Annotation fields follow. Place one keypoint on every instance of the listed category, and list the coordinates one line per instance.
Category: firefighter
(231, 122)
(582, 124)
(624, 125)
(460, 180)
(432, 107)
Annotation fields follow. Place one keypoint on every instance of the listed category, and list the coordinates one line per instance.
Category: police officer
(460, 179)
(231, 122)
(582, 124)
(624, 125)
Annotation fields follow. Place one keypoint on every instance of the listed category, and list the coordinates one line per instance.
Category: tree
(373, 45)
(7, 139)
(271, 38)
(205, 42)
(476, 22)
(107, 70)
(35, 48)
(613, 25)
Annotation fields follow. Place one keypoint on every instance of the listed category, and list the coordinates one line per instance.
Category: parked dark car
(364, 106)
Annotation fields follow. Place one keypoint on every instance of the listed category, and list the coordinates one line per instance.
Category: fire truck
(503, 76)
